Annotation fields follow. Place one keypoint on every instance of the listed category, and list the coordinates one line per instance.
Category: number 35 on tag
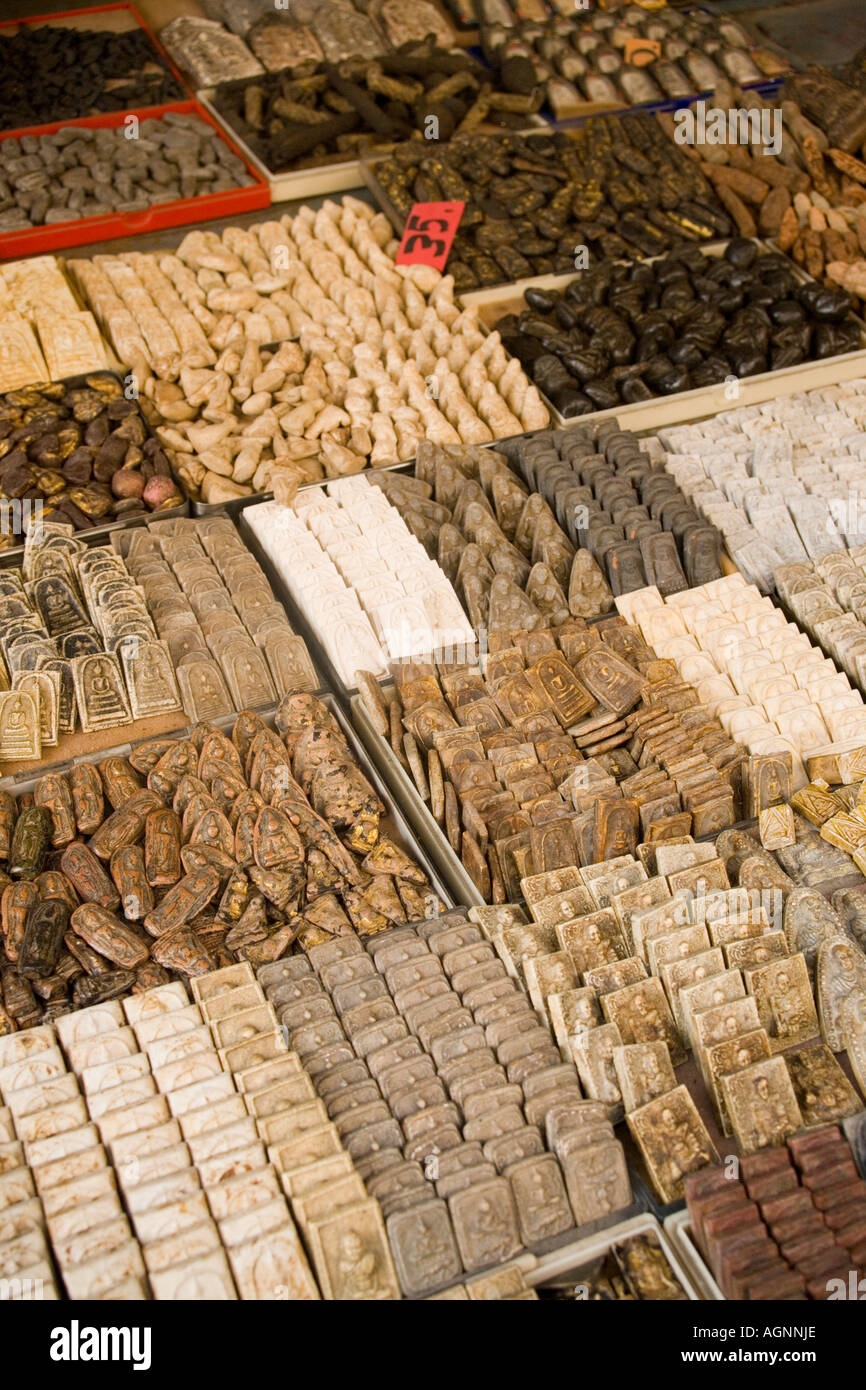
(429, 232)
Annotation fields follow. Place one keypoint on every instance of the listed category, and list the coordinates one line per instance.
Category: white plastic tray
(578, 1256)
(678, 1229)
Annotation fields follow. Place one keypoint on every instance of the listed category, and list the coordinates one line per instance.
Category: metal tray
(678, 1229)
(298, 619)
(24, 782)
(701, 401)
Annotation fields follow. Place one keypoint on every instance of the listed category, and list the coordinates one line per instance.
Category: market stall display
(781, 485)
(137, 1134)
(556, 585)
(539, 204)
(362, 341)
(624, 56)
(618, 334)
(638, 962)
(769, 162)
(525, 572)
(55, 72)
(242, 40)
(158, 823)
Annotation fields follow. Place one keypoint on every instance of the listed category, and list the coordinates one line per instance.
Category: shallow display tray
(393, 821)
(77, 745)
(299, 620)
(237, 504)
(578, 1260)
(494, 303)
(678, 1229)
(320, 656)
(288, 184)
(32, 241)
(538, 128)
(426, 827)
(118, 18)
(764, 86)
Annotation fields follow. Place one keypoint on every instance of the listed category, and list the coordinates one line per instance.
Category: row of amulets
(826, 597)
(214, 860)
(145, 1153)
(361, 578)
(780, 480)
(449, 1094)
(790, 1225)
(380, 357)
(758, 675)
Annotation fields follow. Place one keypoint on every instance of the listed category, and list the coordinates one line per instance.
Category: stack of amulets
(212, 849)
(574, 744)
(92, 638)
(44, 336)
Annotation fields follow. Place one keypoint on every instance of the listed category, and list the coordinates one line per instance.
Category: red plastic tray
(35, 241)
(137, 22)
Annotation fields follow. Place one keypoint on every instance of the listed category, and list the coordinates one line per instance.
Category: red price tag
(430, 230)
